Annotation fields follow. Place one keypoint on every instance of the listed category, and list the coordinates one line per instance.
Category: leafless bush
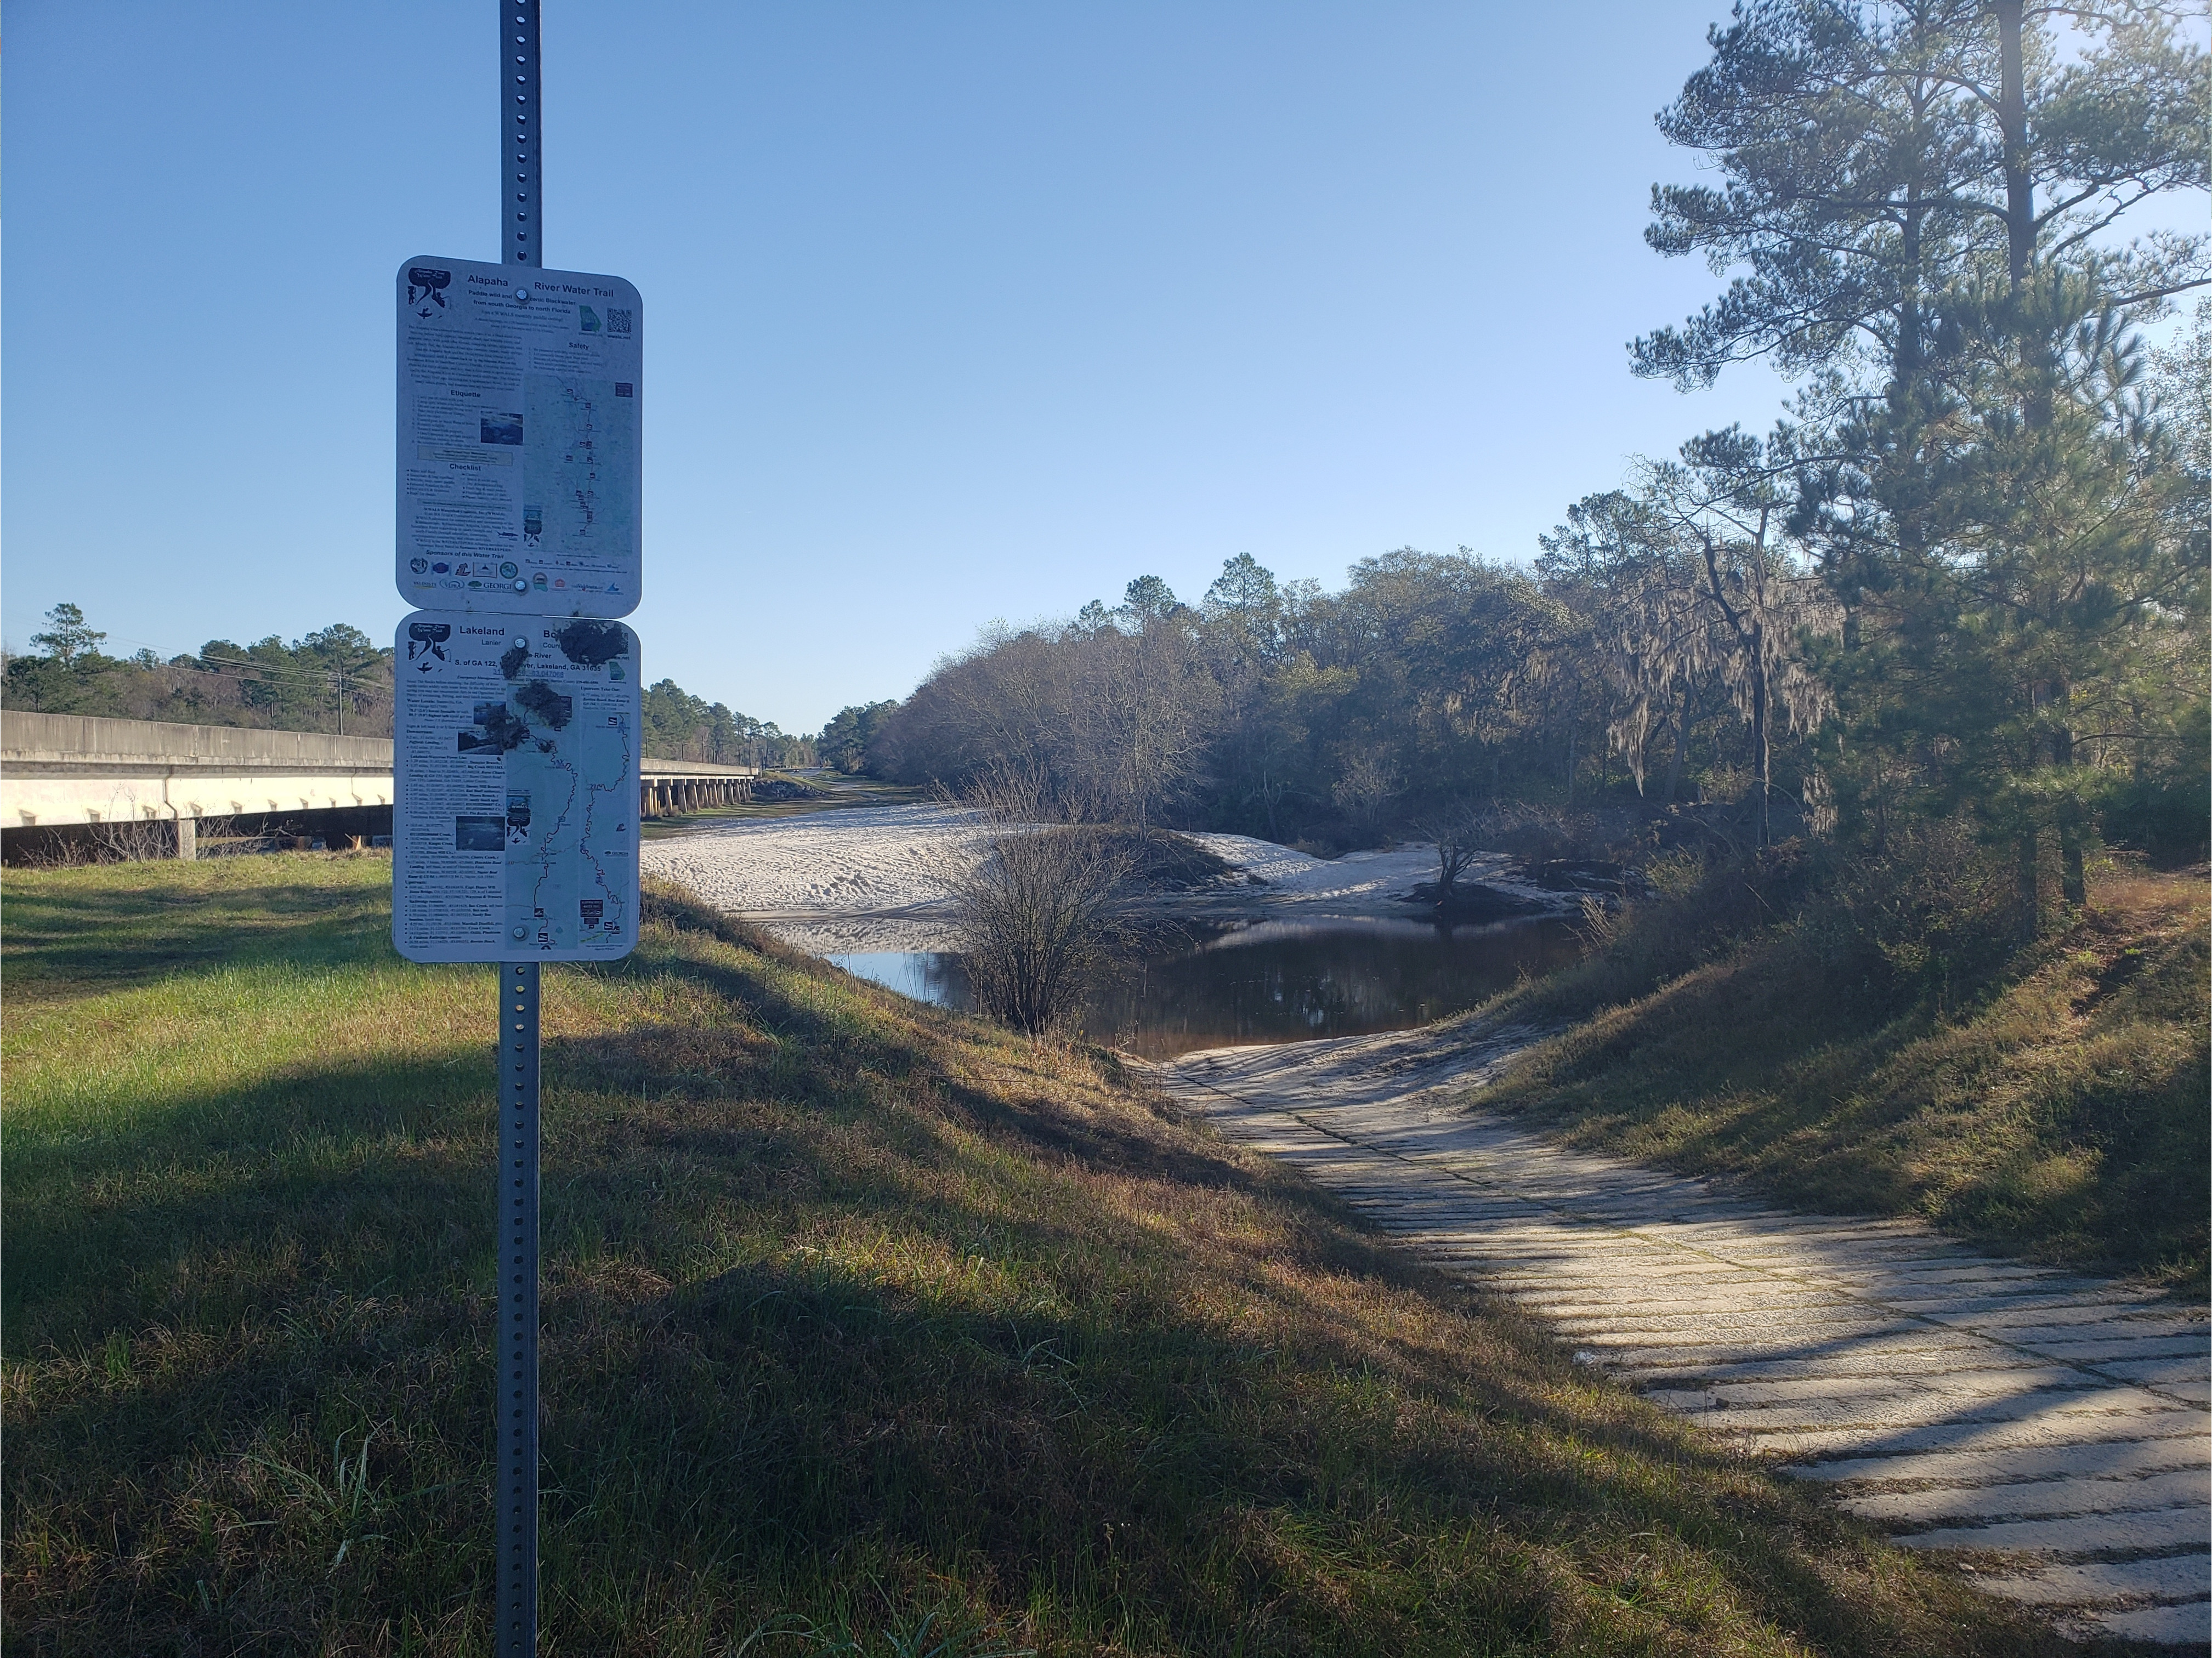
(1530, 835)
(1363, 793)
(131, 841)
(52, 849)
(1458, 833)
(1042, 908)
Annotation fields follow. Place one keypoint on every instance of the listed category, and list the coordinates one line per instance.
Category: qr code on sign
(618, 321)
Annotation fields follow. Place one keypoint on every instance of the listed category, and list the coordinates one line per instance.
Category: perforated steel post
(522, 243)
(522, 220)
(516, 1506)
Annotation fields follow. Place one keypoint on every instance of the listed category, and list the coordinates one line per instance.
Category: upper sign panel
(520, 468)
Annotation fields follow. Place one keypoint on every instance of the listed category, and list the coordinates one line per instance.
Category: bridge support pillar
(188, 838)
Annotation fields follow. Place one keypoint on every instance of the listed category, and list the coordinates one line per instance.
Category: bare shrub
(1458, 832)
(1042, 906)
(131, 841)
(1532, 836)
(219, 836)
(1363, 793)
(52, 849)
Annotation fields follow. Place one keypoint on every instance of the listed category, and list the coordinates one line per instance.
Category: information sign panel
(520, 464)
(515, 774)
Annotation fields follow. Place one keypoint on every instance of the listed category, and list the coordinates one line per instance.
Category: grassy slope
(858, 1316)
(2062, 1115)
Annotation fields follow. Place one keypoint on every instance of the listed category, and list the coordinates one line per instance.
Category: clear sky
(954, 312)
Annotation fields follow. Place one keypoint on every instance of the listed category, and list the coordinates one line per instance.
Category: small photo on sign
(498, 429)
(480, 833)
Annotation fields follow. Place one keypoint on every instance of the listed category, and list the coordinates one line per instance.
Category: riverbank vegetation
(1962, 579)
(869, 1329)
(1889, 1050)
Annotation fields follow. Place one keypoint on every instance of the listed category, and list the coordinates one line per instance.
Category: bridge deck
(61, 771)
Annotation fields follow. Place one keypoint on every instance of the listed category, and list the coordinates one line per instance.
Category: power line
(316, 675)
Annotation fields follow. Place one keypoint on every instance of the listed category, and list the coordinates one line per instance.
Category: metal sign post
(516, 841)
(518, 725)
(515, 1502)
(516, 1506)
(523, 238)
(515, 1529)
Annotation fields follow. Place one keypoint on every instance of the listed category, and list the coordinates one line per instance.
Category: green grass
(866, 1327)
(2059, 1113)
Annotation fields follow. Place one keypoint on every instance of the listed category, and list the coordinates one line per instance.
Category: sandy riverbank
(872, 879)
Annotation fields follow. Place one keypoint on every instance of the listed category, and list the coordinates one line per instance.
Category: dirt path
(2054, 1426)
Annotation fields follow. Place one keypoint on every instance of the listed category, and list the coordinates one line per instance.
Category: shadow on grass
(81, 933)
(771, 1426)
(852, 1310)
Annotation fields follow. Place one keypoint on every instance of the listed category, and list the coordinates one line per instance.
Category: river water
(1274, 982)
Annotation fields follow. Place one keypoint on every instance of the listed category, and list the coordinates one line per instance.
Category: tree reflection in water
(1275, 982)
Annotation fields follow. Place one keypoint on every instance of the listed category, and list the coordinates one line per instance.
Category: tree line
(681, 726)
(1963, 576)
(335, 679)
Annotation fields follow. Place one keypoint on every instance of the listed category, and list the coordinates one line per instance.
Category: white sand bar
(873, 877)
(2055, 1421)
(879, 862)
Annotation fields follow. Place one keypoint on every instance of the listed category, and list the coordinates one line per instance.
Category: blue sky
(953, 312)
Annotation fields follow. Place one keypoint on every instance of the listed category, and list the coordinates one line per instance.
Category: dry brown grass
(2056, 1107)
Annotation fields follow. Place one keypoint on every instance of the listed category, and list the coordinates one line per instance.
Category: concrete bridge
(71, 775)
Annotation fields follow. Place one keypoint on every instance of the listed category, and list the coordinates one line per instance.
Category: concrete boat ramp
(2051, 1426)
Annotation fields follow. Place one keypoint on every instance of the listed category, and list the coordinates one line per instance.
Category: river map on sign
(579, 469)
(516, 765)
(571, 791)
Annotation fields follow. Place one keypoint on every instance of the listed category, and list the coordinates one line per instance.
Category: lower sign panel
(515, 787)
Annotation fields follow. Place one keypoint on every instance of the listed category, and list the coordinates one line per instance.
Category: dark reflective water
(1275, 982)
